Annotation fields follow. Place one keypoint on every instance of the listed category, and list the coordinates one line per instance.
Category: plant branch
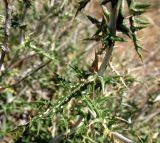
(22, 21)
(34, 70)
(122, 138)
(112, 27)
(26, 75)
(4, 47)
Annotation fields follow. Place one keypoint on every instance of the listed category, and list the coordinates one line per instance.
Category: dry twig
(4, 47)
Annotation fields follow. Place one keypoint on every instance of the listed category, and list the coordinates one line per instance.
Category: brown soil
(148, 71)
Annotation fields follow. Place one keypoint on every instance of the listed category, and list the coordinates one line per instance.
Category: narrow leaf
(82, 5)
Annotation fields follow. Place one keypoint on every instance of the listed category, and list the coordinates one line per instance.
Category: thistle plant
(77, 107)
(113, 21)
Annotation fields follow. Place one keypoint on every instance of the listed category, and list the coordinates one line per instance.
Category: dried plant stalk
(4, 47)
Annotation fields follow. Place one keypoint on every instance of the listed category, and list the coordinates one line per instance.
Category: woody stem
(112, 27)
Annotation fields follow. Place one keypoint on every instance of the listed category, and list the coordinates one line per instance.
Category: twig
(35, 69)
(22, 34)
(31, 72)
(146, 119)
(121, 78)
(52, 3)
(112, 26)
(121, 137)
(4, 46)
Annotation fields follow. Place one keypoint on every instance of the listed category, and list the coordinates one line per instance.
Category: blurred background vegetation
(48, 60)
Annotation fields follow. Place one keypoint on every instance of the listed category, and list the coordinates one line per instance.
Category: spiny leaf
(120, 19)
(138, 8)
(102, 83)
(121, 26)
(81, 74)
(92, 105)
(137, 46)
(106, 13)
(138, 50)
(94, 21)
(125, 30)
(59, 78)
(137, 28)
(82, 5)
(116, 38)
(94, 38)
(141, 21)
(97, 32)
(113, 38)
(105, 39)
(140, 5)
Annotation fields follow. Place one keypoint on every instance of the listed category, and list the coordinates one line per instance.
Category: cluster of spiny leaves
(77, 107)
(127, 25)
